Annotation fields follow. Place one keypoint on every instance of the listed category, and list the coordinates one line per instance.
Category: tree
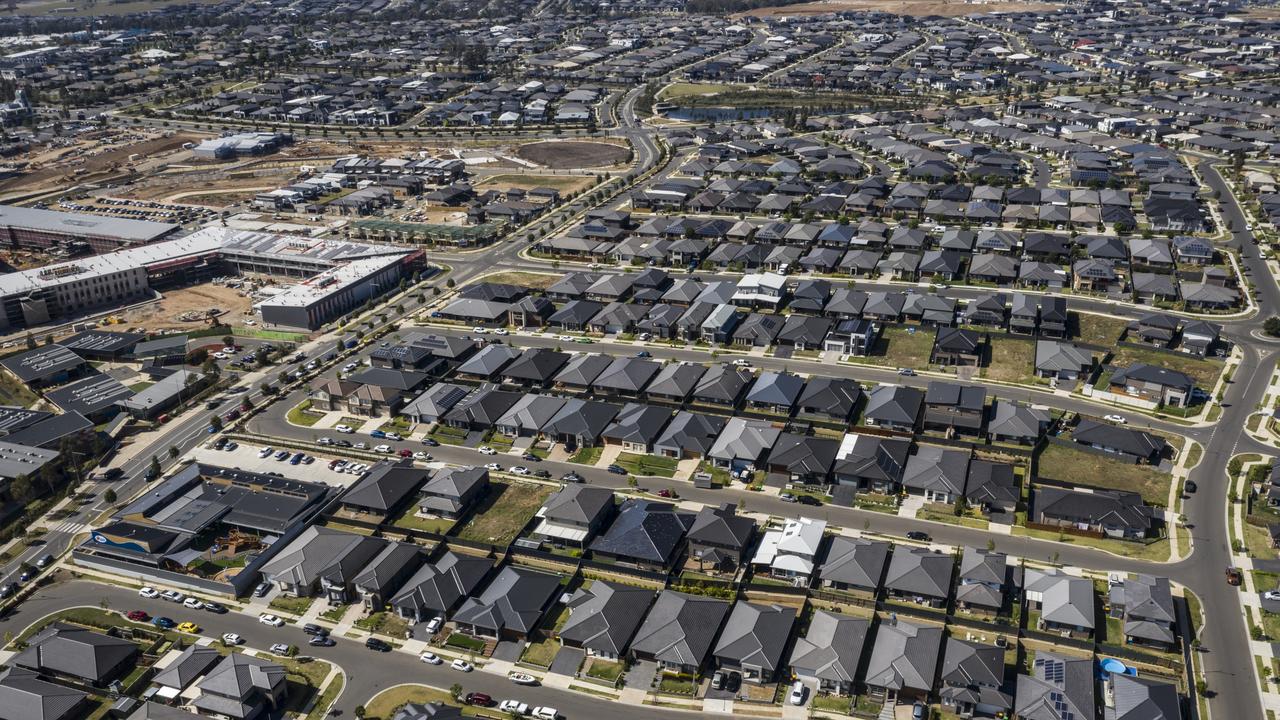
(215, 422)
(174, 452)
(109, 496)
(359, 711)
(1272, 326)
(455, 690)
(153, 470)
(228, 341)
(21, 488)
(31, 341)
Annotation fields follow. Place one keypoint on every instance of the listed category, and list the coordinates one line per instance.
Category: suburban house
(984, 577)
(574, 514)
(323, 561)
(893, 407)
(1016, 422)
(903, 666)
(511, 606)
(679, 630)
(453, 491)
(1145, 604)
(1062, 361)
(753, 639)
(1136, 446)
(385, 491)
(1112, 513)
(956, 347)
(920, 575)
(972, 679)
(77, 654)
(604, 617)
(1065, 602)
(646, 533)
(1159, 385)
(719, 537)
(242, 688)
(790, 552)
(871, 462)
(854, 564)
(937, 473)
(439, 587)
(954, 408)
(830, 652)
(1058, 686)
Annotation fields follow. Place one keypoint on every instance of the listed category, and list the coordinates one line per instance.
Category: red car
(406, 453)
(235, 413)
(479, 699)
(665, 493)
(138, 616)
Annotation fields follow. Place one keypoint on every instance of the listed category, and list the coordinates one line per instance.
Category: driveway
(508, 650)
(567, 661)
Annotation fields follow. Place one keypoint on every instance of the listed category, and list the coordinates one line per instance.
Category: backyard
(1079, 467)
(1204, 372)
(504, 512)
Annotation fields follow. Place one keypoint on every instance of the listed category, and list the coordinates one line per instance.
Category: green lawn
(833, 703)
(1101, 330)
(140, 386)
(293, 605)
(13, 392)
(586, 456)
(504, 512)
(1072, 466)
(1155, 551)
(446, 435)
(604, 670)
(1012, 360)
(677, 685)
(541, 653)
(384, 705)
(676, 91)
(900, 346)
(398, 424)
(464, 642)
(298, 414)
(648, 464)
(385, 623)
(1204, 372)
(411, 521)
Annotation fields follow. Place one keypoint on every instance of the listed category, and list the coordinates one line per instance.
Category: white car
(493, 467)
(797, 693)
(395, 437)
(1118, 419)
(430, 658)
(149, 592)
(269, 619)
(520, 470)
(422, 455)
(462, 665)
(232, 639)
(280, 649)
(486, 450)
(513, 706)
(566, 338)
(172, 596)
(479, 330)
(345, 429)
(350, 366)
(501, 331)
(229, 350)
(192, 603)
(382, 449)
(741, 363)
(542, 712)
(220, 355)
(1271, 595)
(266, 452)
(434, 625)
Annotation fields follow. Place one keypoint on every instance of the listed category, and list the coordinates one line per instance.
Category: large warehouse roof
(83, 224)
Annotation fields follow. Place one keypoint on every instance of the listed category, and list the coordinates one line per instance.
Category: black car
(1189, 486)
(216, 608)
(325, 641)
(617, 470)
(546, 474)
(733, 682)
(376, 644)
(808, 500)
(342, 443)
(530, 457)
(431, 443)
(113, 474)
(313, 629)
(45, 561)
(7, 590)
(919, 535)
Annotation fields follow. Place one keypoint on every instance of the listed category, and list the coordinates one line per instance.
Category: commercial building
(33, 229)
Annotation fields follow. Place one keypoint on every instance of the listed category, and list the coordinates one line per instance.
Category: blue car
(297, 458)
(163, 623)
(377, 434)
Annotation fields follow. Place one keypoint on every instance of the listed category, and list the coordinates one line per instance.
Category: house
(324, 561)
(689, 435)
(636, 427)
(853, 336)
(604, 617)
(803, 332)
(722, 386)
(790, 552)
(1058, 687)
(434, 402)
(529, 415)
(579, 423)
(1110, 512)
(385, 491)
(574, 514)
(511, 606)
(1054, 317)
(954, 408)
(718, 326)
(678, 631)
(719, 537)
(829, 399)
(757, 330)
(330, 394)
(1200, 337)
(1129, 697)
(893, 407)
(753, 639)
(937, 473)
(1156, 329)
(77, 654)
(803, 459)
(1136, 446)
(903, 666)
(1160, 385)
(453, 491)
(988, 309)
(486, 364)
(581, 371)
(956, 346)
(972, 679)
(984, 575)
(871, 462)
(920, 575)
(1065, 602)
(435, 589)
(1016, 422)
(646, 534)
(535, 367)
(830, 651)
(25, 696)
(1145, 603)
(1061, 361)
(854, 564)
(992, 487)
(743, 444)
(242, 688)
(775, 392)
(481, 409)
(385, 573)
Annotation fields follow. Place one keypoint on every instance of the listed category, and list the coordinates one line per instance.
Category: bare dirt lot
(910, 8)
(527, 181)
(572, 154)
(89, 159)
(164, 314)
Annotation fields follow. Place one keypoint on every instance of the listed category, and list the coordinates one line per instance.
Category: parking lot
(245, 457)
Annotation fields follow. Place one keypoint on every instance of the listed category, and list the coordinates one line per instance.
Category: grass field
(1097, 329)
(901, 347)
(504, 512)
(541, 653)
(537, 281)
(293, 605)
(298, 415)
(383, 705)
(648, 464)
(677, 91)
(411, 521)
(1071, 466)
(1012, 360)
(1204, 372)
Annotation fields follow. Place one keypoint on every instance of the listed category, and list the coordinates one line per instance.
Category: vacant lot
(504, 512)
(1078, 467)
(901, 347)
(528, 181)
(572, 154)
(1097, 329)
(910, 8)
(1204, 372)
(164, 314)
(1012, 360)
(536, 281)
(676, 91)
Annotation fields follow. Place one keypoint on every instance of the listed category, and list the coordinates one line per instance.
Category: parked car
(262, 589)
(148, 592)
(216, 608)
(796, 697)
(787, 497)
(486, 450)
(434, 625)
(617, 469)
(461, 665)
(344, 429)
(188, 627)
(321, 641)
(382, 449)
(378, 645)
(1271, 595)
(918, 535)
(919, 711)
(429, 442)
(138, 616)
(479, 699)
(281, 649)
(45, 561)
(1117, 419)
(192, 603)
(1234, 576)
(430, 658)
(163, 623)
(522, 678)
(313, 629)
(514, 706)
(172, 596)
(717, 680)
(542, 712)
(906, 372)
(231, 639)
(269, 619)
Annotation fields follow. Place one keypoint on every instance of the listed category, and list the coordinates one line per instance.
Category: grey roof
(722, 383)
(834, 397)
(1162, 376)
(722, 526)
(1140, 698)
(584, 418)
(605, 616)
(436, 400)
(389, 566)
(904, 656)
(645, 530)
(872, 457)
(938, 469)
(440, 586)
(832, 647)
(93, 394)
(1010, 418)
(319, 552)
(515, 600)
(536, 365)
(744, 439)
(693, 432)
(237, 677)
(577, 504)
(1059, 685)
(679, 628)
(582, 370)
(855, 561)
(483, 407)
(72, 650)
(42, 363)
(1110, 508)
(919, 571)
(386, 486)
(1064, 599)
(194, 662)
(1134, 442)
(776, 388)
(627, 375)
(531, 413)
(755, 635)
(974, 672)
(638, 423)
(676, 380)
(452, 487)
(803, 454)
(24, 696)
(427, 711)
(895, 404)
(489, 360)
